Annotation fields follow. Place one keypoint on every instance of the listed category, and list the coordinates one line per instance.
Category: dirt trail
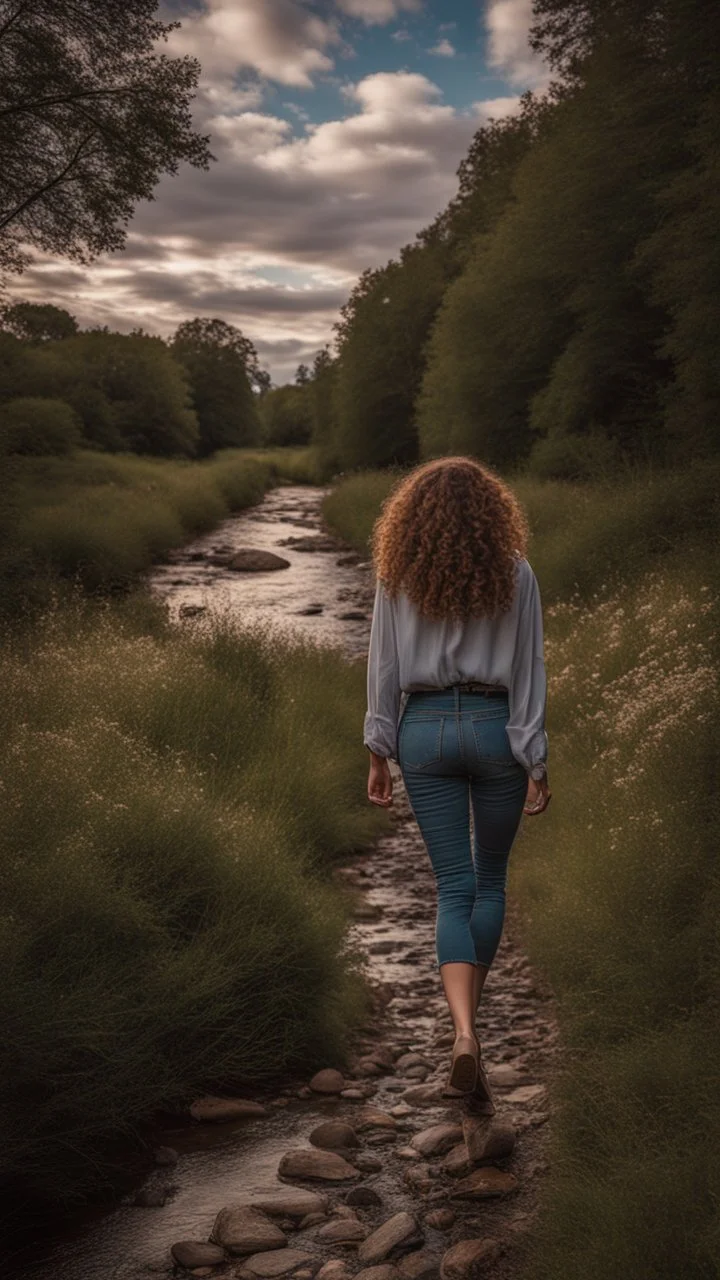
(456, 1206)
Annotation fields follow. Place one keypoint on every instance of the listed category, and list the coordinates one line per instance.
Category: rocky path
(370, 1175)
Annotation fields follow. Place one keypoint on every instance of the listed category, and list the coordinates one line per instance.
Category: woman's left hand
(380, 783)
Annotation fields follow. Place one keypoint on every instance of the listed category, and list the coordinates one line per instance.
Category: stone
(370, 1118)
(166, 1157)
(240, 1229)
(407, 1060)
(418, 1177)
(334, 1269)
(194, 1253)
(367, 1067)
(253, 560)
(344, 1230)
(217, 1110)
(487, 1139)
(352, 615)
(327, 1081)
(485, 1183)
(424, 1095)
(457, 1162)
(310, 611)
(310, 1220)
(420, 1265)
(505, 1076)
(355, 1095)
(441, 1219)
(385, 1271)
(526, 1093)
(334, 1135)
(367, 1163)
(363, 1197)
(192, 610)
(437, 1140)
(395, 1233)
(468, 1258)
(326, 1166)
(288, 1202)
(278, 1262)
(408, 1153)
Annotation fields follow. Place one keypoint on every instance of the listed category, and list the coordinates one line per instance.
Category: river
(410, 1033)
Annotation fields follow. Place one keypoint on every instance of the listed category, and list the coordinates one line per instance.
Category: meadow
(173, 800)
(618, 884)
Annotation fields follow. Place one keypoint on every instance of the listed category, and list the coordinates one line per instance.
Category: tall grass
(172, 801)
(619, 882)
(103, 518)
(581, 534)
(621, 890)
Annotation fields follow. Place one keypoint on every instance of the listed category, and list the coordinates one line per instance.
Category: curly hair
(449, 535)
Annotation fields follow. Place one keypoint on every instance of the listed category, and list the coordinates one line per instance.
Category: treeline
(61, 387)
(562, 313)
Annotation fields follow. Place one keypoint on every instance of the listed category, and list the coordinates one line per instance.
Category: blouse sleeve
(383, 680)
(528, 682)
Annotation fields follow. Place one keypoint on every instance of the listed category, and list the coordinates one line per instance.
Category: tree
(322, 408)
(285, 415)
(91, 115)
(128, 390)
(37, 322)
(222, 365)
(302, 375)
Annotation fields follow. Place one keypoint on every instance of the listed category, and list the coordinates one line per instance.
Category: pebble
(291, 1202)
(420, 1265)
(374, 1119)
(483, 1184)
(334, 1269)
(240, 1229)
(363, 1197)
(441, 1219)
(326, 1166)
(526, 1093)
(342, 1231)
(438, 1139)
(334, 1135)
(327, 1081)
(384, 1271)
(468, 1258)
(278, 1262)
(192, 1253)
(394, 1233)
(487, 1139)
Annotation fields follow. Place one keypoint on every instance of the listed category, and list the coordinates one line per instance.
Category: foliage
(285, 415)
(93, 115)
(32, 425)
(37, 322)
(221, 364)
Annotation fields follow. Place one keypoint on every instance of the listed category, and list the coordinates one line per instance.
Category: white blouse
(410, 652)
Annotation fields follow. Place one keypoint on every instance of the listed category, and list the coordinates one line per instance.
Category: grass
(103, 518)
(172, 801)
(582, 535)
(618, 884)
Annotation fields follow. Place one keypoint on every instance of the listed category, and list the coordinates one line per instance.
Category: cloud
(274, 235)
(497, 108)
(443, 49)
(280, 39)
(508, 23)
(378, 12)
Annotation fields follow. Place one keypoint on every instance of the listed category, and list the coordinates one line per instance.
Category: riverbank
(101, 519)
(618, 888)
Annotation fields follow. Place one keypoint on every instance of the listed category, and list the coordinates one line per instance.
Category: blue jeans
(454, 756)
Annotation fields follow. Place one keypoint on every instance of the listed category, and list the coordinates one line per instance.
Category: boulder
(333, 1135)
(327, 1081)
(253, 560)
(240, 1230)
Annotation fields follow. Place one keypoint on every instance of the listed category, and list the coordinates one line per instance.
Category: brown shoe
(464, 1068)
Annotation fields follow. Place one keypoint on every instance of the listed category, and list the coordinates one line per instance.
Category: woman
(457, 698)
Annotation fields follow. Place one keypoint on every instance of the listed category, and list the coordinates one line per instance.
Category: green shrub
(33, 425)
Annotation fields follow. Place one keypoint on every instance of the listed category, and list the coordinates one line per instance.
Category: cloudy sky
(338, 126)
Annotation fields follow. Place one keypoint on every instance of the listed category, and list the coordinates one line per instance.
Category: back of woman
(457, 698)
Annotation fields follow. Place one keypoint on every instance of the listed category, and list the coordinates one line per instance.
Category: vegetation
(103, 518)
(94, 115)
(618, 885)
(168, 926)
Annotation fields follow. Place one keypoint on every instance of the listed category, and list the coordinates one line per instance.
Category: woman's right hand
(538, 796)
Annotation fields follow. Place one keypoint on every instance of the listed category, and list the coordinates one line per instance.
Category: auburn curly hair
(449, 535)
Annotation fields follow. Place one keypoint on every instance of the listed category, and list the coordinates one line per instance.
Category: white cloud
(497, 108)
(508, 23)
(443, 49)
(377, 12)
(401, 34)
(280, 39)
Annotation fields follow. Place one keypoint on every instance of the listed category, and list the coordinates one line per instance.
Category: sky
(337, 127)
